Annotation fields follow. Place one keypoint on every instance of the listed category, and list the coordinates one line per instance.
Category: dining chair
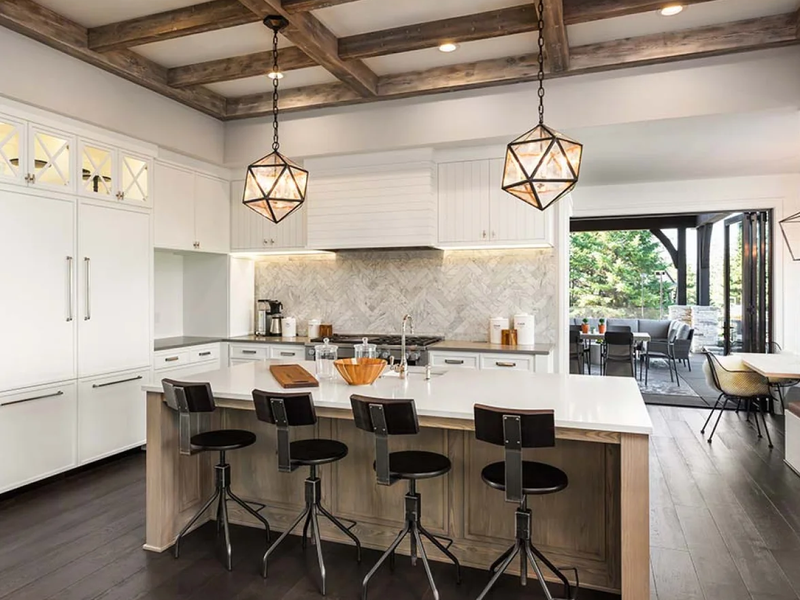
(618, 354)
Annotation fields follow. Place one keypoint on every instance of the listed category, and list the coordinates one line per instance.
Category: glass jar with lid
(365, 350)
(325, 353)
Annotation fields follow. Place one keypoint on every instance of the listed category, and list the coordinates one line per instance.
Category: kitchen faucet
(402, 368)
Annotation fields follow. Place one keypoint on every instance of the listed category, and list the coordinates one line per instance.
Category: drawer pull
(172, 358)
(288, 354)
(453, 361)
(102, 385)
(249, 351)
(207, 353)
(53, 395)
(505, 364)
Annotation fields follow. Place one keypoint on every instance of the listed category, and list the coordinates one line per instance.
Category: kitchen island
(600, 523)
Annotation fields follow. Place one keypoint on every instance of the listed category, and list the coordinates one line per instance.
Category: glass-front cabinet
(135, 179)
(50, 162)
(12, 148)
(98, 170)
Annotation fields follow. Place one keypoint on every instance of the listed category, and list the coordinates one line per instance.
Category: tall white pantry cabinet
(75, 297)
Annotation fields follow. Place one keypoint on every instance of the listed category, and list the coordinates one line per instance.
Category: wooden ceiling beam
(741, 36)
(45, 26)
(307, 33)
(199, 18)
(556, 45)
(295, 6)
(237, 67)
(486, 25)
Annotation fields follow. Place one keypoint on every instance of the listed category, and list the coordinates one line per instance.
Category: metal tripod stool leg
(417, 532)
(528, 554)
(222, 493)
(311, 512)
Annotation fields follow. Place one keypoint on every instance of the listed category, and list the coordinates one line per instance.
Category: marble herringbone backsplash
(448, 293)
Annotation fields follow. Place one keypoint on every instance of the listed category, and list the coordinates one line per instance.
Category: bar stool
(515, 430)
(193, 397)
(297, 410)
(385, 417)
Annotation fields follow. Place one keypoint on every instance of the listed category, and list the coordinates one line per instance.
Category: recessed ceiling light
(671, 10)
(275, 75)
(448, 47)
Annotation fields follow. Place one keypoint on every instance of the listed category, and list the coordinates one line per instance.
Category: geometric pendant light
(541, 165)
(790, 227)
(275, 186)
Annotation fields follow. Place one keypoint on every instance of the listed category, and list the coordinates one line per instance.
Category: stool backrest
(284, 411)
(384, 417)
(515, 430)
(188, 396)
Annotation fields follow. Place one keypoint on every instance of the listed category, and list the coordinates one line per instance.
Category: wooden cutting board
(293, 376)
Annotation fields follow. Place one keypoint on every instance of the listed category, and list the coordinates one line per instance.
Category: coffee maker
(275, 319)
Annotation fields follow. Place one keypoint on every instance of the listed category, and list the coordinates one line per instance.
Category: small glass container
(365, 350)
(325, 354)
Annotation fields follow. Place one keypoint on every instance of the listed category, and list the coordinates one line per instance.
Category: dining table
(784, 365)
(638, 336)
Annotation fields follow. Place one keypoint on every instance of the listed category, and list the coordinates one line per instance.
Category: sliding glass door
(747, 275)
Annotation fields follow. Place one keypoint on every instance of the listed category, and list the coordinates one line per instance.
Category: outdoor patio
(691, 390)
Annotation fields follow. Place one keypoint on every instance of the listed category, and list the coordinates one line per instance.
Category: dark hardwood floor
(725, 520)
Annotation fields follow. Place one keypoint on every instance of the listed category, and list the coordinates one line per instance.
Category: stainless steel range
(388, 346)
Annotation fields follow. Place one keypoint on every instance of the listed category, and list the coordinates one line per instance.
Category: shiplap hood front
(379, 201)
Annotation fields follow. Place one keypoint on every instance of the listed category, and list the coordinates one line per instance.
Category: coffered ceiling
(214, 56)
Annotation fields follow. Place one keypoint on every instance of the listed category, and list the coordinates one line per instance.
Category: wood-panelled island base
(600, 523)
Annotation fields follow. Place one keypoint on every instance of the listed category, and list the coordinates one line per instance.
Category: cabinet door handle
(288, 354)
(88, 262)
(53, 395)
(505, 364)
(453, 361)
(206, 353)
(172, 358)
(70, 273)
(249, 351)
(483, 235)
(102, 385)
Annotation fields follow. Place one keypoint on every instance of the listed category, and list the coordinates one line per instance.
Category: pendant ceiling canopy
(275, 186)
(541, 165)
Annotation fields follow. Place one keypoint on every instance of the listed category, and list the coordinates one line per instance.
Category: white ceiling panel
(211, 45)
(374, 15)
(93, 13)
(510, 45)
(262, 83)
(696, 15)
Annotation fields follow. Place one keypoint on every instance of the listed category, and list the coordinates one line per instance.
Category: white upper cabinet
(113, 311)
(474, 211)
(192, 211)
(98, 168)
(50, 159)
(135, 179)
(254, 233)
(38, 306)
(13, 165)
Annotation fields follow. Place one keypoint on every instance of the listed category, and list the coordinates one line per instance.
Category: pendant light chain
(541, 62)
(275, 143)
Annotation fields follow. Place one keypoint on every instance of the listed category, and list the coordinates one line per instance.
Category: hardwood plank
(45, 26)
(293, 6)
(238, 67)
(317, 41)
(680, 482)
(198, 18)
(555, 36)
(674, 575)
(665, 529)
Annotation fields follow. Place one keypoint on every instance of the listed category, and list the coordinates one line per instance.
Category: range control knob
(385, 354)
(311, 353)
(413, 356)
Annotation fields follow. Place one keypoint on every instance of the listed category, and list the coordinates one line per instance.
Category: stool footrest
(571, 590)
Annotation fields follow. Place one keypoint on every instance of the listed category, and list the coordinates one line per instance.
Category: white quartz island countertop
(612, 404)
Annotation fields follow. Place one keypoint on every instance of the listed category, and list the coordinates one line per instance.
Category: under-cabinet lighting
(539, 246)
(287, 252)
(671, 10)
(448, 47)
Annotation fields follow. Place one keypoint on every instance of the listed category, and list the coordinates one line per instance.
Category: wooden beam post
(296, 6)
(45, 26)
(209, 16)
(556, 45)
(317, 41)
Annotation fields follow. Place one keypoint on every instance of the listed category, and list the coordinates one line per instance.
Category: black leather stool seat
(537, 478)
(316, 452)
(417, 464)
(223, 439)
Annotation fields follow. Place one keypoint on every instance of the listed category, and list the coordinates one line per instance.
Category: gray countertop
(252, 339)
(453, 345)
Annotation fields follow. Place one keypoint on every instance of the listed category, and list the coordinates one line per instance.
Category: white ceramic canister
(496, 326)
(289, 327)
(313, 328)
(525, 325)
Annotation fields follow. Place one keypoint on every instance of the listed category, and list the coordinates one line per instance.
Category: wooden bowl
(363, 372)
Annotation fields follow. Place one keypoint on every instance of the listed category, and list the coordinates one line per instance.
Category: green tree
(616, 270)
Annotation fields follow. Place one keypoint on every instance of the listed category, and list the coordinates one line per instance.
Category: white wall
(33, 73)
(779, 193)
(168, 284)
(740, 83)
